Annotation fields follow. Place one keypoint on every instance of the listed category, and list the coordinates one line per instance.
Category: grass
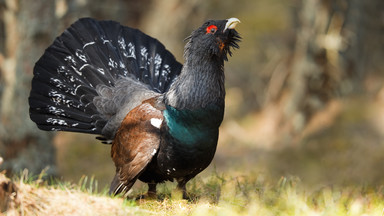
(217, 194)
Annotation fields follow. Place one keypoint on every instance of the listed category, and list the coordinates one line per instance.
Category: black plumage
(161, 117)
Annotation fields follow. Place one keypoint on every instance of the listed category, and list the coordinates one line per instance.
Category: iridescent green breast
(194, 127)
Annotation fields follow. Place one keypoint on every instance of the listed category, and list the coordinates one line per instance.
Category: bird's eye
(211, 29)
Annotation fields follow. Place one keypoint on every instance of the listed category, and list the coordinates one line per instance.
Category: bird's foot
(147, 196)
(151, 194)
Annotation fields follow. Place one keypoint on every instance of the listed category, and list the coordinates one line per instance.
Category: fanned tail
(91, 56)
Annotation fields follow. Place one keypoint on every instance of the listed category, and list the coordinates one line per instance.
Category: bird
(161, 117)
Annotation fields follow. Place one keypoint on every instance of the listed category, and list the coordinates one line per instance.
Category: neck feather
(200, 83)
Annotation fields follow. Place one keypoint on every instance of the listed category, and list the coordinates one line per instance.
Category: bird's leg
(151, 194)
(182, 187)
(152, 190)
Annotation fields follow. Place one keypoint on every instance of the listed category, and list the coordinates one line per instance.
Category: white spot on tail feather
(156, 122)
(56, 111)
(77, 87)
(144, 52)
(122, 65)
(103, 38)
(166, 70)
(131, 51)
(80, 54)
(70, 60)
(144, 58)
(75, 69)
(101, 70)
(82, 67)
(112, 63)
(121, 42)
(87, 44)
(56, 121)
(157, 63)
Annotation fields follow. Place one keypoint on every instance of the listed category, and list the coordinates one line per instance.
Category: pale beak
(231, 23)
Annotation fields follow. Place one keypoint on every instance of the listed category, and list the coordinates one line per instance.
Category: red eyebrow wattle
(209, 28)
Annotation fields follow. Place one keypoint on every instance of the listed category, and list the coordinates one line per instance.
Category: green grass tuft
(217, 194)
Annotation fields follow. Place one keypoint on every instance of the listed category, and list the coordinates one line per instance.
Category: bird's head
(214, 38)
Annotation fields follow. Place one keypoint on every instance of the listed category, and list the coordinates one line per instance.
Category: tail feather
(88, 55)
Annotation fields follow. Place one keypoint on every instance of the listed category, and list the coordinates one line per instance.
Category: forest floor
(216, 194)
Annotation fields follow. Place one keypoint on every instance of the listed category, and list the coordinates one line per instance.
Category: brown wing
(135, 143)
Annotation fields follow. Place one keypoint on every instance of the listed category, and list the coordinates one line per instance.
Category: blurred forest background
(305, 92)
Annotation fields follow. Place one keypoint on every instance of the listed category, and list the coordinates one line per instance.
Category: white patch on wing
(156, 122)
(154, 152)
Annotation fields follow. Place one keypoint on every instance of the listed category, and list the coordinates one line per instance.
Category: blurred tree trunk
(336, 44)
(171, 21)
(27, 27)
